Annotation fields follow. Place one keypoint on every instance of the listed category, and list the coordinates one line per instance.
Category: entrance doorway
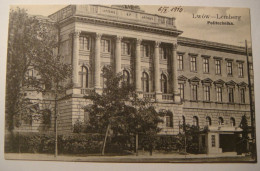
(227, 142)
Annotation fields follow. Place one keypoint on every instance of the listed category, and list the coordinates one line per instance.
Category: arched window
(145, 82)
(103, 79)
(126, 76)
(208, 121)
(232, 121)
(163, 83)
(169, 119)
(220, 121)
(195, 121)
(84, 77)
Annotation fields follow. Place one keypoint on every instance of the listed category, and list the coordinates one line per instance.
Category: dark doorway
(227, 142)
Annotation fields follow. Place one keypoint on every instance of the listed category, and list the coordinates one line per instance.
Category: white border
(7, 165)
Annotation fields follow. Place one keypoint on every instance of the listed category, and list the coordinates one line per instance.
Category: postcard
(130, 84)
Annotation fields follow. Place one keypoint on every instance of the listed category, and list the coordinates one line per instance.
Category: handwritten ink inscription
(167, 9)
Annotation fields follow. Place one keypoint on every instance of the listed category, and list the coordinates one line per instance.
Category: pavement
(141, 158)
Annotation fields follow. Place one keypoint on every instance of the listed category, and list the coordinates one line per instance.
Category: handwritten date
(166, 9)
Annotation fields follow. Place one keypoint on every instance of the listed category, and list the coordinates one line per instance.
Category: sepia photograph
(130, 84)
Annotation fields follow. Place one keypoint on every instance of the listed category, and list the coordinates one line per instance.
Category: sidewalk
(156, 157)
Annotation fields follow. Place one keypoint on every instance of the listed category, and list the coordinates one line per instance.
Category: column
(174, 73)
(97, 61)
(156, 68)
(138, 65)
(75, 59)
(118, 54)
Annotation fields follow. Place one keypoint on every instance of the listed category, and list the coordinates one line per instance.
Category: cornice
(184, 41)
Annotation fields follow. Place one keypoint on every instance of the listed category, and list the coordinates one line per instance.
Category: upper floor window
(251, 69)
(125, 48)
(231, 95)
(229, 68)
(194, 92)
(207, 93)
(219, 94)
(164, 52)
(181, 90)
(163, 83)
(193, 63)
(218, 66)
(180, 61)
(206, 65)
(242, 95)
(84, 43)
(240, 70)
(84, 77)
(126, 76)
(145, 50)
(145, 82)
(105, 45)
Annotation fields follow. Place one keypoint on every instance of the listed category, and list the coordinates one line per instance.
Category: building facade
(202, 83)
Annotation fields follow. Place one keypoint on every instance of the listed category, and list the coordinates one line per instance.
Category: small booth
(219, 139)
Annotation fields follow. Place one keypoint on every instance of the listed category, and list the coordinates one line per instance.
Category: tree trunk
(136, 144)
(105, 140)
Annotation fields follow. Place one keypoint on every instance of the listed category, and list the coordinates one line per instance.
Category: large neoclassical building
(204, 83)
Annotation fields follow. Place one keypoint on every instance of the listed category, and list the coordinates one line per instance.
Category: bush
(45, 143)
(165, 143)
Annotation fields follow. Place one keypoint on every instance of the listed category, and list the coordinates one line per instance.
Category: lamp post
(252, 113)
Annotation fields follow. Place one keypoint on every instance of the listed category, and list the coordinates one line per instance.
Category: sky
(186, 21)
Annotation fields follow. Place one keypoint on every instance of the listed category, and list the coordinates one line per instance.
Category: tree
(243, 143)
(119, 109)
(31, 46)
(189, 139)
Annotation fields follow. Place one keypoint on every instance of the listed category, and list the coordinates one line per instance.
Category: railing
(149, 95)
(167, 96)
(86, 91)
(114, 13)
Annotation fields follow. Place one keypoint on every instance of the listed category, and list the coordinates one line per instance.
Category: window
(229, 68)
(219, 94)
(145, 82)
(220, 121)
(181, 90)
(194, 92)
(84, 77)
(195, 121)
(206, 65)
(146, 51)
(231, 95)
(163, 83)
(103, 79)
(126, 77)
(213, 140)
(168, 121)
(251, 69)
(163, 52)
(83, 43)
(242, 95)
(105, 44)
(193, 65)
(232, 122)
(240, 70)
(125, 48)
(206, 93)
(180, 62)
(208, 121)
(218, 66)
